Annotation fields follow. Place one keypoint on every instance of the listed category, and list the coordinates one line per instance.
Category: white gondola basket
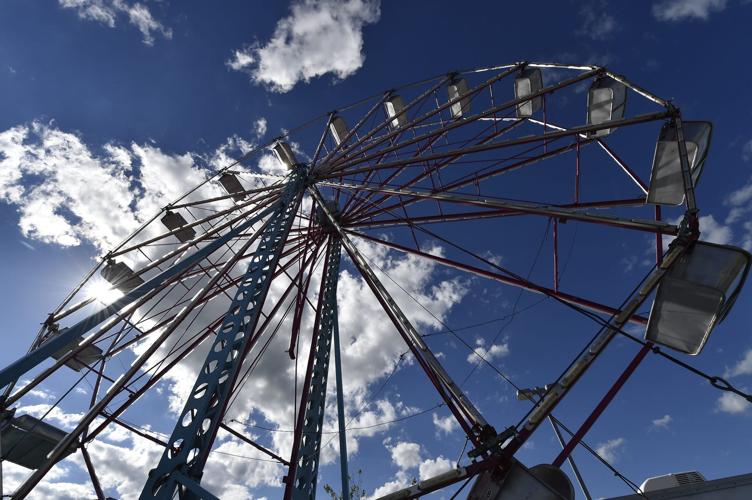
(696, 294)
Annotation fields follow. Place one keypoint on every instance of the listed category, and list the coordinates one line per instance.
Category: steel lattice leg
(183, 460)
(307, 461)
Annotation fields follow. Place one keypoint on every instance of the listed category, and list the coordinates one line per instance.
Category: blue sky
(111, 108)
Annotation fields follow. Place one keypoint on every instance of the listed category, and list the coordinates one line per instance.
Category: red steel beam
(602, 405)
(527, 285)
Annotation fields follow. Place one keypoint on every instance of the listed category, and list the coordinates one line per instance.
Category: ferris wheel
(240, 274)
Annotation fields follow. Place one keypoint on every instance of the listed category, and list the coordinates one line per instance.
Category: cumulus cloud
(433, 467)
(733, 404)
(408, 456)
(481, 352)
(318, 37)
(97, 196)
(711, 230)
(714, 231)
(597, 22)
(67, 194)
(259, 127)
(405, 455)
(743, 367)
(740, 204)
(679, 10)
(107, 12)
(609, 450)
(663, 422)
(445, 425)
(747, 150)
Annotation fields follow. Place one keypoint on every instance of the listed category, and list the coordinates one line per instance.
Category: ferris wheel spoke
(197, 339)
(260, 203)
(383, 125)
(469, 418)
(527, 207)
(606, 148)
(392, 175)
(502, 278)
(661, 115)
(302, 284)
(430, 169)
(474, 178)
(336, 165)
(273, 187)
(477, 214)
(354, 130)
(344, 165)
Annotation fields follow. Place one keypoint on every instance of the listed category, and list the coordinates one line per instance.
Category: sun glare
(99, 289)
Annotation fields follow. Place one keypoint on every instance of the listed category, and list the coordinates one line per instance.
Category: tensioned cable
(246, 376)
(715, 381)
(417, 413)
(517, 299)
(627, 481)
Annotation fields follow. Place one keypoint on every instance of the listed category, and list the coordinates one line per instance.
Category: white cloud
(489, 354)
(405, 455)
(740, 203)
(609, 450)
(98, 195)
(108, 11)
(747, 150)
(733, 404)
(597, 23)
(54, 414)
(66, 194)
(445, 425)
(259, 127)
(41, 394)
(678, 10)
(743, 367)
(400, 481)
(318, 37)
(663, 422)
(433, 467)
(713, 231)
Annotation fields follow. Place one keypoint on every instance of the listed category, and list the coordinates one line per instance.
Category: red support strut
(588, 423)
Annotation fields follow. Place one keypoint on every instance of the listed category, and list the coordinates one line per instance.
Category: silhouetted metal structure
(406, 161)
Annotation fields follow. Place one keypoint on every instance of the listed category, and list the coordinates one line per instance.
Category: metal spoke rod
(573, 373)
(521, 206)
(502, 144)
(455, 398)
(470, 119)
(121, 382)
(15, 370)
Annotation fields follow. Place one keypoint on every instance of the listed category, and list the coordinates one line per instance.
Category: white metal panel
(528, 82)
(666, 180)
(338, 129)
(456, 89)
(393, 106)
(606, 102)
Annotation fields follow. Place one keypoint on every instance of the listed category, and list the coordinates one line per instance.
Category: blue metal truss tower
(181, 466)
(305, 459)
